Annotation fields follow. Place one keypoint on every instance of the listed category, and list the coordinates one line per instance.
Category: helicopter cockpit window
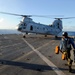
(58, 25)
(21, 24)
(24, 27)
(24, 24)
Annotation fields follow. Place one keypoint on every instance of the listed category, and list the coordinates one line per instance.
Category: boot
(70, 69)
(70, 65)
(71, 62)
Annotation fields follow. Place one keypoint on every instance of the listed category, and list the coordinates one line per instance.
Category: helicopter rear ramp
(33, 55)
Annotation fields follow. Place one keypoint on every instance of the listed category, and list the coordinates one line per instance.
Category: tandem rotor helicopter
(27, 25)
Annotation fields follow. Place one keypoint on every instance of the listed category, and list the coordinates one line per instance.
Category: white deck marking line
(32, 51)
(54, 67)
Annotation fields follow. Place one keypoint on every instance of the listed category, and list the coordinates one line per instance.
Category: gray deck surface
(18, 58)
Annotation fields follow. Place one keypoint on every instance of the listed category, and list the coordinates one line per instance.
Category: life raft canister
(64, 55)
(57, 49)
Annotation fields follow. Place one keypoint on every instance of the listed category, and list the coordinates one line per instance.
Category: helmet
(65, 34)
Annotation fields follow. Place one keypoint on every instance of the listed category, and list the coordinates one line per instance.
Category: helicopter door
(31, 27)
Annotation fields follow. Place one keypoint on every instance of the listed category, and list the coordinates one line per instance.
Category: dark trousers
(68, 55)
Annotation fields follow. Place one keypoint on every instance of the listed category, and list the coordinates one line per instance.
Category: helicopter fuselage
(29, 26)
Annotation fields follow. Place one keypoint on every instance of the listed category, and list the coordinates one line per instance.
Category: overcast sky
(54, 8)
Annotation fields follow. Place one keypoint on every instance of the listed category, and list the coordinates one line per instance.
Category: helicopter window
(47, 28)
(37, 27)
(31, 27)
(24, 24)
(43, 28)
(24, 27)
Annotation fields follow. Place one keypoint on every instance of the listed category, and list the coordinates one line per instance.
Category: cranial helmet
(65, 34)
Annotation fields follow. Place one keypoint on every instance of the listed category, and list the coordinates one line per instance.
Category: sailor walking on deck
(65, 47)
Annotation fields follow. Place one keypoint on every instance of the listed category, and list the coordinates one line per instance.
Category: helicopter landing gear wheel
(56, 36)
(27, 33)
(24, 36)
(45, 35)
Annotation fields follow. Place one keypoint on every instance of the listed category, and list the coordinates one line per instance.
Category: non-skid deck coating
(33, 55)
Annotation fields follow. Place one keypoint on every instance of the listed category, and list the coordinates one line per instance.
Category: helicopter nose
(19, 29)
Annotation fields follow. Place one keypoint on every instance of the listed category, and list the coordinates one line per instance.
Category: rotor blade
(44, 16)
(41, 16)
(68, 18)
(24, 15)
(65, 18)
(10, 13)
(15, 14)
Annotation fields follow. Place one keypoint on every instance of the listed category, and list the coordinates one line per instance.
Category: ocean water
(70, 33)
(8, 31)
